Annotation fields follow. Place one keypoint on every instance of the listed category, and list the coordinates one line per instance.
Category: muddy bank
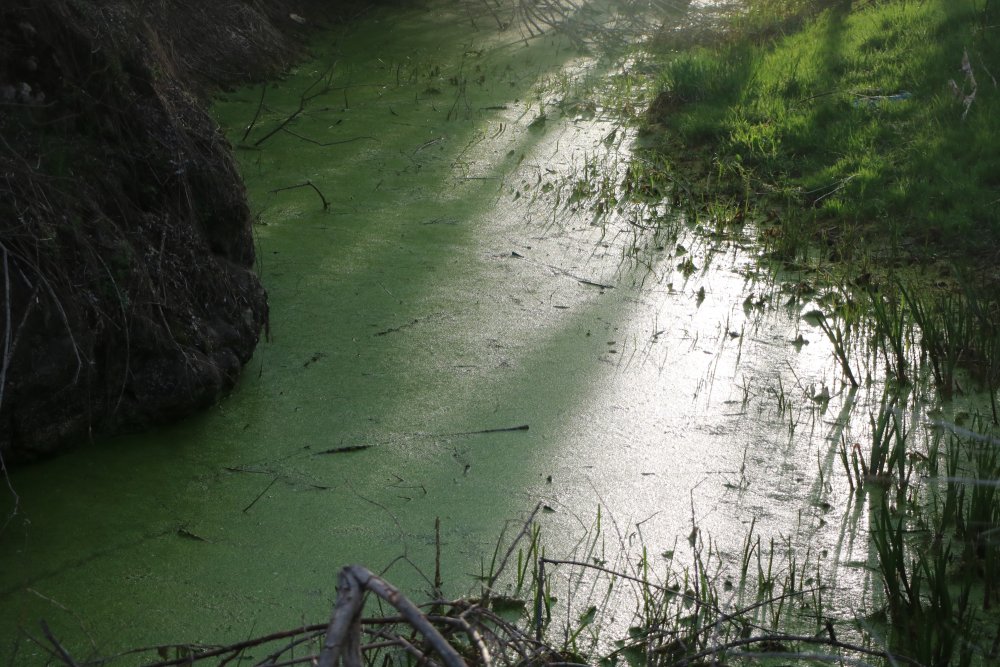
(127, 290)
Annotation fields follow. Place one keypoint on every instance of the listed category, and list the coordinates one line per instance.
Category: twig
(260, 495)
(562, 271)
(344, 450)
(325, 143)
(426, 144)
(410, 612)
(395, 639)
(600, 568)
(66, 657)
(510, 550)
(260, 105)
(522, 427)
(307, 184)
(281, 126)
(303, 100)
(824, 641)
(223, 650)
(437, 558)
(8, 351)
(8, 334)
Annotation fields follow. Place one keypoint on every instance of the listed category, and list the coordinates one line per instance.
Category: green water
(452, 286)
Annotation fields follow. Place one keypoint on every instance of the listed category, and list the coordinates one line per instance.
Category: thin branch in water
(63, 653)
(304, 100)
(261, 494)
(282, 124)
(778, 638)
(509, 429)
(307, 184)
(326, 143)
(513, 545)
(256, 116)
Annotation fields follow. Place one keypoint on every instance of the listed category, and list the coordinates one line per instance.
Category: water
(454, 285)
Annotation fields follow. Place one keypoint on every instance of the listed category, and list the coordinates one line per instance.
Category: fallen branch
(343, 635)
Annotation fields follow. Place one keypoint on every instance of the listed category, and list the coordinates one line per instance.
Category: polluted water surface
(469, 320)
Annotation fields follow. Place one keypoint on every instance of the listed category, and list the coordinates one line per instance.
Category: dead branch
(343, 621)
(350, 640)
(343, 633)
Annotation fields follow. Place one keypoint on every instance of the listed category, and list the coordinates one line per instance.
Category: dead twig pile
(452, 633)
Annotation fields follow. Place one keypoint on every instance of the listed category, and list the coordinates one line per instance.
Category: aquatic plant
(839, 334)
(892, 333)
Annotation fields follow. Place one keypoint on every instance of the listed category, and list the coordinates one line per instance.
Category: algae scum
(467, 319)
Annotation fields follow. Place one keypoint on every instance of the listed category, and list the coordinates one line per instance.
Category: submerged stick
(522, 427)
(344, 449)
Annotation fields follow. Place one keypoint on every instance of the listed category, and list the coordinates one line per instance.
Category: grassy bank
(857, 124)
(861, 138)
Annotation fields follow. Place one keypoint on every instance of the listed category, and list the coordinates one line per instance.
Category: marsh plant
(939, 569)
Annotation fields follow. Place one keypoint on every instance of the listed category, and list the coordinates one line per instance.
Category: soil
(128, 295)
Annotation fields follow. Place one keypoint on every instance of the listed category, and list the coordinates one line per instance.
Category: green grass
(801, 99)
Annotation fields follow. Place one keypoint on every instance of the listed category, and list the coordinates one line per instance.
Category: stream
(464, 325)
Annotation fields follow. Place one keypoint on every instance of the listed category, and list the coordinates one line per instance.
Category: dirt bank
(127, 290)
